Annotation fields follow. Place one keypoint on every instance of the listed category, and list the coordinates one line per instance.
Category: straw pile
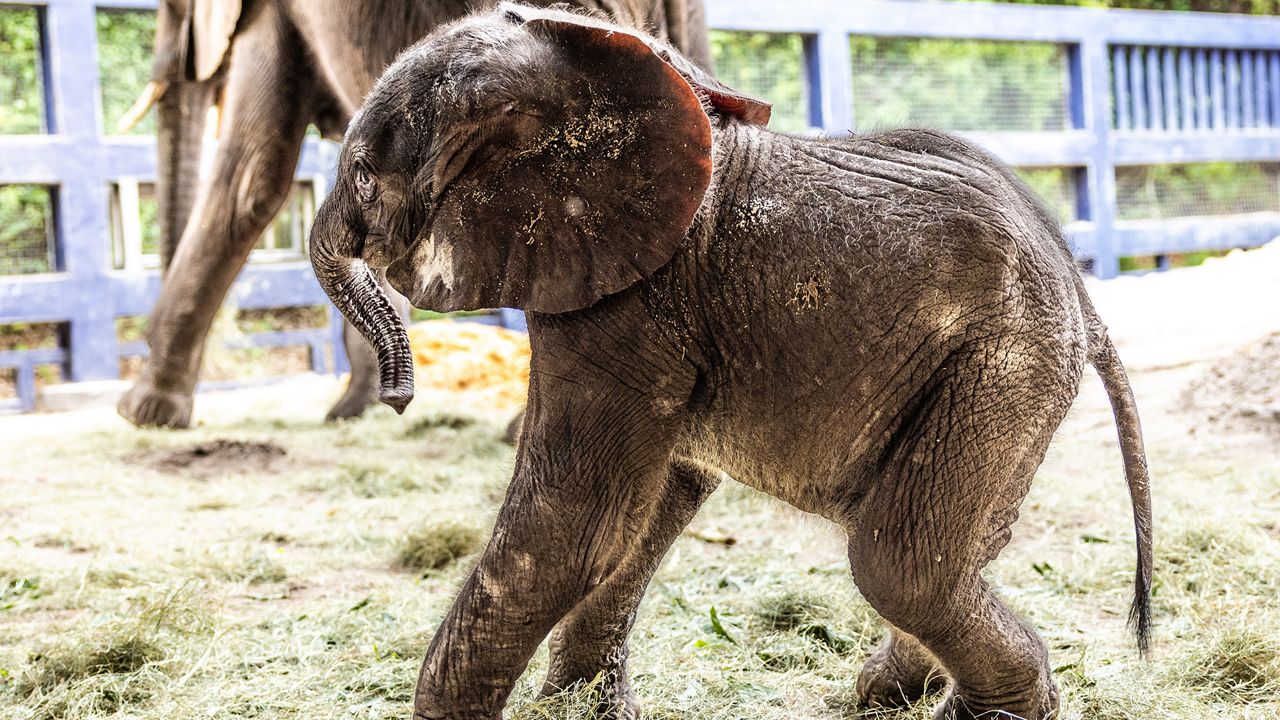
(492, 362)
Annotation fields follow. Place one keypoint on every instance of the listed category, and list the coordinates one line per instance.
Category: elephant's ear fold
(718, 96)
(213, 23)
(587, 182)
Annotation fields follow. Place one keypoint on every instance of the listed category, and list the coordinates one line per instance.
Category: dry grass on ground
(265, 566)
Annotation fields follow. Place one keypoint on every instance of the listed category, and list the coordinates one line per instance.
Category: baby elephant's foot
(614, 700)
(897, 675)
(624, 707)
(1039, 703)
(609, 691)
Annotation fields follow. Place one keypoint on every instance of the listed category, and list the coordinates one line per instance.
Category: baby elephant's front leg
(564, 525)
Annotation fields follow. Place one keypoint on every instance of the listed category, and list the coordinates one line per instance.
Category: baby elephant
(884, 330)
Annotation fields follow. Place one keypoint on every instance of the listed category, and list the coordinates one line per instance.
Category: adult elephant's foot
(899, 673)
(146, 406)
(353, 403)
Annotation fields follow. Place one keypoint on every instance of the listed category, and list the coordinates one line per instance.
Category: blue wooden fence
(1143, 88)
(81, 160)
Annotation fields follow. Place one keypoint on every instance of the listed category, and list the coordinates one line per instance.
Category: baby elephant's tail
(1102, 354)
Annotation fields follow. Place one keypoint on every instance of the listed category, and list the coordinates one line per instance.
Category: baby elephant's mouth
(381, 250)
(424, 272)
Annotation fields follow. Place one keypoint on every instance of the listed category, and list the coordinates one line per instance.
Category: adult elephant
(275, 67)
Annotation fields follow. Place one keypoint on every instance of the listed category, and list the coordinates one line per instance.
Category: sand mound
(1242, 391)
(1193, 314)
(489, 361)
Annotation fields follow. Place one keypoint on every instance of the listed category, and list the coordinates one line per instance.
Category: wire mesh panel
(959, 84)
(26, 230)
(125, 42)
(1183, 89)
(768, 66)
(21, 81)
(1153, 192)
(1056, 187)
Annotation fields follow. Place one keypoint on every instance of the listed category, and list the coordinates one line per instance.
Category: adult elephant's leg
(585, 483)
(362, 386)
(952, 484)
(900, 672)
(591, 641)
(268, 101)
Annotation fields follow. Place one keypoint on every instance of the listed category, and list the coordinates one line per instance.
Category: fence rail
(81, 161)
(1138, 89)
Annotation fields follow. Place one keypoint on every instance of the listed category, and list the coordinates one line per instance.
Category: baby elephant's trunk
(354, 289)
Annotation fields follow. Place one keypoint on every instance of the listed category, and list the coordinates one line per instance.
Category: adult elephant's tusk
(150, 94)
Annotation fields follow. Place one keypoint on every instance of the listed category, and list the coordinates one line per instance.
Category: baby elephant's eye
(365, 184)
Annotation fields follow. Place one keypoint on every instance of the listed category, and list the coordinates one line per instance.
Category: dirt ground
(263, 565)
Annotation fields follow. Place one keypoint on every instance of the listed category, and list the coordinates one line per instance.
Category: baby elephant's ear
(587, 183)
(720, 97)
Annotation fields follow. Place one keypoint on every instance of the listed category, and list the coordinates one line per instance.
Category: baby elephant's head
(523, 158)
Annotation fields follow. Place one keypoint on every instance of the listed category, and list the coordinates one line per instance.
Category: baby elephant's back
(893, 250)
(933, 212)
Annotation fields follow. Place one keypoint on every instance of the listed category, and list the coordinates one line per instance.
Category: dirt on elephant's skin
(1242, 391)
(217, 457)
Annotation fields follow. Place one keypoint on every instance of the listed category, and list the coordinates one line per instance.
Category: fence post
(829, 66)
(1091, 83)
(71, 84)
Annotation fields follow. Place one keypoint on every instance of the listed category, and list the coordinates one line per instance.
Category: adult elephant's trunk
(181, 112)
(352, 286)
(182, 105)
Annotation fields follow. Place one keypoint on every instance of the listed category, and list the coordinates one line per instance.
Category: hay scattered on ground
(120, 661)
(1239, 665)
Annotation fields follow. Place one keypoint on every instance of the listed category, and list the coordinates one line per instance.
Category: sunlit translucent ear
(588, 185)
(720, 97)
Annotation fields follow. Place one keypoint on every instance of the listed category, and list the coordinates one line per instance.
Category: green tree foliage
(1247, 7)
(768, 66)
(26, 221)
(21, 95)
(126, 41)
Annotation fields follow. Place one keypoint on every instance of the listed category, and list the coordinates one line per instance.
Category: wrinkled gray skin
(883, 330)
(277, 65)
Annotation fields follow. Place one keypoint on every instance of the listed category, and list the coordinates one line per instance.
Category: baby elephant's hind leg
(899, 673)
(953, 479)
